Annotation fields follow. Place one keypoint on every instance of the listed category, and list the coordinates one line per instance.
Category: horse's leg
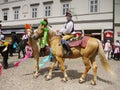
(49, 76)
(58, 65)
(94, 67)
(87, 68)
(37, 67)
(61, 62)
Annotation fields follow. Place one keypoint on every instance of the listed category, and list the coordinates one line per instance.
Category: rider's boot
(42, 51)
(67, 47)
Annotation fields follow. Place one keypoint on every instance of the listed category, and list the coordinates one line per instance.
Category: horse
(36, 48)
(88, 54)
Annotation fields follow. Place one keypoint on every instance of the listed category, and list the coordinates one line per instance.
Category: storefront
(108, 35)
(18, 31)
(93, 33)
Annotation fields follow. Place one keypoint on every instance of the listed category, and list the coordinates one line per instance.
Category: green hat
(43, 23)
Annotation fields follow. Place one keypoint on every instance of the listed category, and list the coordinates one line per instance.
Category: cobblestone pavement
(21, 78)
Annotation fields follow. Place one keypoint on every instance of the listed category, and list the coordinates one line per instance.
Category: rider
(43, 40)
(66, 32)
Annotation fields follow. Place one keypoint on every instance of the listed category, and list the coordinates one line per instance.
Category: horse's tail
(103, 58)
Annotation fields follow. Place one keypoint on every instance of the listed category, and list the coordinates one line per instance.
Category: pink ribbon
(24, 59)
(0, 68)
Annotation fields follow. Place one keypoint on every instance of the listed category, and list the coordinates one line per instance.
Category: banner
(108, 34)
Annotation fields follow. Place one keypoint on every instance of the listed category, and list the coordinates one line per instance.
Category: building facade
(117, 20)
(92, 17)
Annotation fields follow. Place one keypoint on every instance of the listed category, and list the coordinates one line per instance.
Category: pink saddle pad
(82, 42)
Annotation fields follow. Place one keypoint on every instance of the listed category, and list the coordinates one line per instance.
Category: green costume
(43, 40)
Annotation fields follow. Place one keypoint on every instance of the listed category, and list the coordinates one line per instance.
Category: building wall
(117, 20)
(84, 20)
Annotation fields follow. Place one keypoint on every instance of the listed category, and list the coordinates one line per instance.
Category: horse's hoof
(93, 82)
(64, 79)
(48, 78)
(36, 75)
(81, 81)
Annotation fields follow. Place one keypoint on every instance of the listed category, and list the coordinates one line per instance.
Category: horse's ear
(27, 26)
(46, 20)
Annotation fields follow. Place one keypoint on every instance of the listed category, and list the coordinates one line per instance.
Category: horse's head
(40, 31)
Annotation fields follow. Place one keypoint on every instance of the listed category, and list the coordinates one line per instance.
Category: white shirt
(67, 28)
(117, 44)
(107, 46)
(2, 37)
(25, 37)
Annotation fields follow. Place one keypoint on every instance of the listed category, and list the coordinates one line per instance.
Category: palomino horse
(35, 46)
(88, 54)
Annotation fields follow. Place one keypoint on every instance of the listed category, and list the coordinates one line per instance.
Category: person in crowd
(107, 49)
(25, 38)
(14, 41)
(28, 50)
(112, 51)
(2, 37)
(117, 50)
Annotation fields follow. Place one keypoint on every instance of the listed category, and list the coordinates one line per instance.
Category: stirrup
(69, 53)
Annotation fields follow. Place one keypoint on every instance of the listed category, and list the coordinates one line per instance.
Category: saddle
(82, 41)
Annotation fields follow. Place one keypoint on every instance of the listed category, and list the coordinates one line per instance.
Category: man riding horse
(65, 32)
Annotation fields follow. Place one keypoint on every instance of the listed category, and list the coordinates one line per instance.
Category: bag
(15, 45)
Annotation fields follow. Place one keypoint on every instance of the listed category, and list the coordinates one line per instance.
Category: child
(28, 50)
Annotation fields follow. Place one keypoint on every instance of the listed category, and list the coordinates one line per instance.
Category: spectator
(117, 51)
(25, 37)
(2, 37)
(107, 49)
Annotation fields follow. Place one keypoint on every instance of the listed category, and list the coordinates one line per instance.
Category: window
(5, 0)
(47, 10)
(93, 6)
(5, 15)
(16, 13)
(66, 7)
(34, 12)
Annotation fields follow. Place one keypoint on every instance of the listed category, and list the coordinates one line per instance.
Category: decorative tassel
(25, 58)
(27, 26)
(17, 64)
(44, 60)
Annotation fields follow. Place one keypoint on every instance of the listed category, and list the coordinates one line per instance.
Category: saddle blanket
(82, 42)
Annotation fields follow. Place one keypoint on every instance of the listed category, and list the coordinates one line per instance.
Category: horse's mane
(51, 31)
